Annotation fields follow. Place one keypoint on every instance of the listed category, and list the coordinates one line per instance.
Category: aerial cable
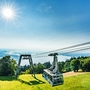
(81, 49)
(65, 52)
(74, 46)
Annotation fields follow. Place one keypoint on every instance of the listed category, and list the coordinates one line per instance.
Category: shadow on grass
(39, 80)
(33, 82)
(7, 78)
(22, 81)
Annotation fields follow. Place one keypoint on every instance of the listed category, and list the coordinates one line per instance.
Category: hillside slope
(27, 82)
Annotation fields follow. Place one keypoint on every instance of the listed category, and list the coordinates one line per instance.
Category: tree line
(8, 66)
(76, 63)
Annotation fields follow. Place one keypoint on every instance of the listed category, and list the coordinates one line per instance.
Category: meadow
(27, 82)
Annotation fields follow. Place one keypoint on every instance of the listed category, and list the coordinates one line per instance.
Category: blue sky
(44, 25)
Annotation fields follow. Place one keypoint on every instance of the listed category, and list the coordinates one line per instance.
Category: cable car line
(64, 52)
(60, 53)
(57, 50)
(76, 50)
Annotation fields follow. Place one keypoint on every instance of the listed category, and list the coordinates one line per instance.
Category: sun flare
(8, 12)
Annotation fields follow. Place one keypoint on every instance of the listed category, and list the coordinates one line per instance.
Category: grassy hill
(27, 82)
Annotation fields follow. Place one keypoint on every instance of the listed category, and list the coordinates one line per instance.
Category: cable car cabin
(52, 74)
(53, 79)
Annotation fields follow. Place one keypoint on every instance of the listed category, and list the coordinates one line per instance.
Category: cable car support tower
(25, 57)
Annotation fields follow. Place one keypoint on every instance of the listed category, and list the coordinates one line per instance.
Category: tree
(47, 64)
(82, 64)
(12, 66)
(7, 66)
(86, 65)
(38, 68)
(60, 66)
(75, 63)
(67, 66)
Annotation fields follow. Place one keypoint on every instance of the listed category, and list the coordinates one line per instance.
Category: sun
(8, 12)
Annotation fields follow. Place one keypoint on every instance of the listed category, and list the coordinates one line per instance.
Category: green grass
(27, 82)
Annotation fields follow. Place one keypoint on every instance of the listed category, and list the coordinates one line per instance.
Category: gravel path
(73, 73)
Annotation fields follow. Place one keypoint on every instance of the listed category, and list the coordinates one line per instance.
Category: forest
(8, 66)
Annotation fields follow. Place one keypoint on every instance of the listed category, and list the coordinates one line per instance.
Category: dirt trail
(72, 73)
